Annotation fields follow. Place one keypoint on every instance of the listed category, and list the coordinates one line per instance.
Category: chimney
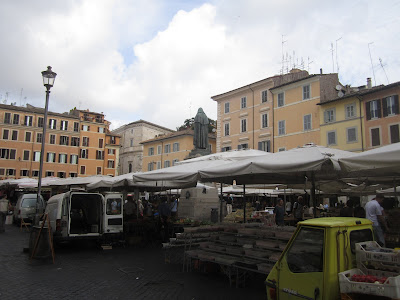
(369, 84)
(320, 71)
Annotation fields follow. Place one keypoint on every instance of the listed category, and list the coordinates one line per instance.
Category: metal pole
(220, 205)
(42, 152)
(244, 203)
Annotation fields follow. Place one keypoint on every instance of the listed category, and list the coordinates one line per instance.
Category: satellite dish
(339, 87)
(340, 94)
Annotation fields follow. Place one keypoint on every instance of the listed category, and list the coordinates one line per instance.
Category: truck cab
(318, 250)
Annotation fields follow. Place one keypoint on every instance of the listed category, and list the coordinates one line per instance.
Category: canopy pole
(314, 200)
(244, 203)
(396, 203)
(136, 194)
(220, 205)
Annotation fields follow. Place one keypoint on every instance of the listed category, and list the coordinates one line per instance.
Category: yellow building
(165, 150)
(245, 115)
(296, 115)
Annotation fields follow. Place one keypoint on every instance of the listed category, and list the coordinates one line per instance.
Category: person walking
(229, 202)
(373, 212)
(279, 213)
(5, 206)
(298, 209)
(288, 207)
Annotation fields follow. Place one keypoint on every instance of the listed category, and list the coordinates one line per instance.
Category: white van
(26, 207)
(77, 214)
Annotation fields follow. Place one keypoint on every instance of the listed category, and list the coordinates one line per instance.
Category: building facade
(132, 135)
(164, 151)
(245, 115)
(21, 139)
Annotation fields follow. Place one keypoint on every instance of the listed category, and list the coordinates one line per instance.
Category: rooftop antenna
(20, 97)
(333, 63)
(283, 56)
(337, 61)
(309, 63)
(382, 65)
(372, 66)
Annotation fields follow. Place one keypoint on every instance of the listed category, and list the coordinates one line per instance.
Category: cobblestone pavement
(83, 271)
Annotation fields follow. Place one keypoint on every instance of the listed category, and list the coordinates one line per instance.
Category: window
(16, 119)
(264, 120)
(99, 154)
(243, 146)
(243, 125)
(64, 140)
(307, 122)
(64, 125)
(167, 148)
(166, 164)
(36, 156)
(394, 133)
(11, 172)
(243, 103)
(331, 137)
(158, 165)
(101, 130)
(101, 143)
(84, 153)
(130, 168)
(131, 142)
(359, 236)
(51, 157)
(350, 111)
(52, 139)
(53, 124)
(72, 174)
(113, 140)
(83, 169)
(281, 99)
(26, 155)
(14, 135)
(151, 151)
(226, 129)
(13, 153)
(62, 158)
(375, 137)
(7, 118)
(75, 141)
(159, 149)
(85, 141)
(85, 127)
(25, 173)
(306, 252)
(35, 173)
(5, 134)
(264, 146)
(2, 171)
(76, 126)
(4, 153)
(28, 121)
(373, 109)
(73, 159)
(264, 96)
(98, 170)
(306, 92)
(329, 115)
(28, 136)
(150, 166)
(112, 152)
(39, 137)
(175, 161)
(390, 105)
(281, 127)
(61, 174)
(226, 107)
(40, 122)
(110, 164)
(227, 148)
(175, 147)
(351, 134)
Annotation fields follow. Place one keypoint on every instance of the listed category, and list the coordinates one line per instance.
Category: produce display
(368, 278)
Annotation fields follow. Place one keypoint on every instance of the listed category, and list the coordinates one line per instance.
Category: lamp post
(48, 81)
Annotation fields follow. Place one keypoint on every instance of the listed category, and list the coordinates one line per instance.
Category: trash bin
(214, 215)
(43, 249)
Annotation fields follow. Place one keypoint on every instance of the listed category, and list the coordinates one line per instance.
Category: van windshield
(29, 202)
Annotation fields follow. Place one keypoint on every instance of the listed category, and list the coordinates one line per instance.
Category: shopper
(5, 206)
(279, 213)
(373, 212)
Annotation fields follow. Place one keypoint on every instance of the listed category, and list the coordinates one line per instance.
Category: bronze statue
(200, 139)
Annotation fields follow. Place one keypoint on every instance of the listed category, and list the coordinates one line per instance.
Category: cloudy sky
(160, 60)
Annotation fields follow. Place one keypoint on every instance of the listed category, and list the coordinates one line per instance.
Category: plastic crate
(372, 251)
(379, 269)
(391, 287)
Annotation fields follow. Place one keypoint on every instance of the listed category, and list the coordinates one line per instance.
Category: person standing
(129, 208)
(288, 207)
(347, 210)
(279, 213)
(174, 207)
(298, 209)
(5, 206)
(164, 212)
(373, 212)
(229, 202)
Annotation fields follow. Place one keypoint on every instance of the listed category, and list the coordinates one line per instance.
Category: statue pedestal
(199, 152)
(197, 205)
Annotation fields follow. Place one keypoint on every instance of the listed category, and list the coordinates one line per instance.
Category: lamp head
(48, 77)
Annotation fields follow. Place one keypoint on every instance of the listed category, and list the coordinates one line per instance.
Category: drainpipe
(361, 124)
(253, 114)
(273, 125)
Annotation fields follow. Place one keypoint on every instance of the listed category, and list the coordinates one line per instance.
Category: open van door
(113, 216)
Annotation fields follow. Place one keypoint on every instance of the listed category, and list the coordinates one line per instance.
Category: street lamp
(48, 81)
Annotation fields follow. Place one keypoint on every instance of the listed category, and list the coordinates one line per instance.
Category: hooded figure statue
(200, 139)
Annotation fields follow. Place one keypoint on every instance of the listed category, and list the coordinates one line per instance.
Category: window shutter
(384, 106)
(325, 116)
(379, 108)
(368, 110)
(259, 145)
(396, 104)
(268, 146)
